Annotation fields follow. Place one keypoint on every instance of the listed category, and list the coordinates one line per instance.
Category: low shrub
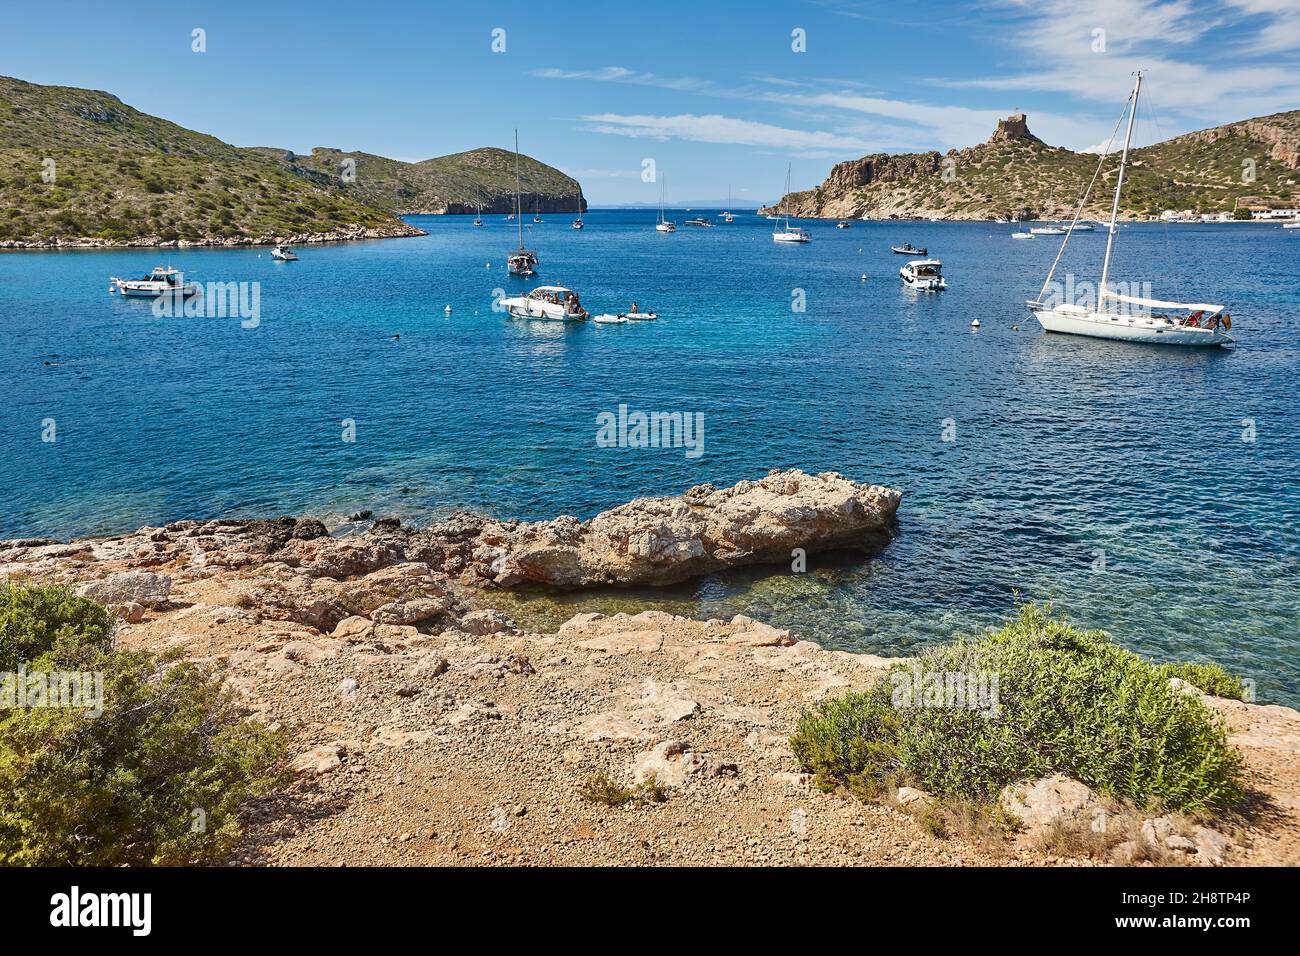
(157, 777)
(1062, 700)
(1210, 678)
(602, 789)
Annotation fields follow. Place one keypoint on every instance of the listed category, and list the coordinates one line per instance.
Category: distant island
(81, 168)
(1229, 170)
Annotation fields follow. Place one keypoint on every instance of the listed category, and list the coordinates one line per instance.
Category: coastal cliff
(1017, 175)
(429, 727)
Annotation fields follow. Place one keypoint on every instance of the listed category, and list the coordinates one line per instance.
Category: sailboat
(537, 210)
(1152, 320)
(727, 216)
(664, 225)
(522, 262)
(788, 233)
(478, 220)
(578, 223)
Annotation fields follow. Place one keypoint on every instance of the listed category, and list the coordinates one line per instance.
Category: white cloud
(1164, 38)
(715, 128)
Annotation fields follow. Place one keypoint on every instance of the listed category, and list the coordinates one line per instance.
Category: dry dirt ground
(456, 748)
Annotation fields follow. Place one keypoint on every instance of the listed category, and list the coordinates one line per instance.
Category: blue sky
(712, 91)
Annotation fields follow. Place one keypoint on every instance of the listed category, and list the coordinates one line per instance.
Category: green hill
(1016, 174)
(447, 184)
(81, 167)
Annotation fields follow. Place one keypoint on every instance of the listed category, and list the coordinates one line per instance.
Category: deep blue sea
(1151, 492)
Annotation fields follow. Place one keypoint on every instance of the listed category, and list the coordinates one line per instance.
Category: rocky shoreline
(344, 234)
(429, 728)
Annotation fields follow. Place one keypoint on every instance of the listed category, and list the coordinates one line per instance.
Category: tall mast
(788, 168)
(519, 215)
(1119, 184)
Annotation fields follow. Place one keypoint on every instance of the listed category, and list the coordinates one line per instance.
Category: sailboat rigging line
(1082, 201)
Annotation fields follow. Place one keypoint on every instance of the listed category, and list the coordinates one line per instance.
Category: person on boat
(633, 310)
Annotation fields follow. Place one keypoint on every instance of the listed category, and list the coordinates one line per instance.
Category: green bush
(123, 787)
(1066, 700)
(37, 621)
(1211, 678)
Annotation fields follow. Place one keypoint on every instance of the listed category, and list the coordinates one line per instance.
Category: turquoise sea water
(1112, 479)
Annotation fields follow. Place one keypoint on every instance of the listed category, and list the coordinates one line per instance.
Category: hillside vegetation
(447, 184)
(79, 165)
(1016, 174)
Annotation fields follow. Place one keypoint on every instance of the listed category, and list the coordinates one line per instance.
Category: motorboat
(1293, 224)
(607, 319)
(842, 224)
(1047, 231)
(163, 280)
(1154, 321)
(551, 303)
(699, 222)
(907, 249)
(284, 254)
(786, 232)
(1022, 235)
(925, 275)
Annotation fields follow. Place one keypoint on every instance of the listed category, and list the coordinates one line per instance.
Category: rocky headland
(1014, 174)
(428, 727)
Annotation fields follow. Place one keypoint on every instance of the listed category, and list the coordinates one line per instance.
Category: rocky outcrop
(320, 579)
(665, 540)
(1016, 174)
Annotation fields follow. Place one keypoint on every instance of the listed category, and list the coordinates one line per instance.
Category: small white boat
(284, 254)
(699, 222)
(1149, 320)
(664, 225)
(1022, 235)
(925, 275)
(791, 234)
(841, 225)
(607, 319)
(1047, 231)
(162, 281)
(640, 316)
(787, 232)
(1084, 227)
(550, 303)
(523, 261)
(907, 249)
(1293, 224)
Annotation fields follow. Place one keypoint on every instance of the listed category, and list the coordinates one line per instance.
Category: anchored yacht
(523, 261)
(162, 281)
(925, 275)
(1155, 321)
(552, 303)
(787, 232)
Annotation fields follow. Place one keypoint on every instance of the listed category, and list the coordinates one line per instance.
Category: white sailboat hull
(1128, 328)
